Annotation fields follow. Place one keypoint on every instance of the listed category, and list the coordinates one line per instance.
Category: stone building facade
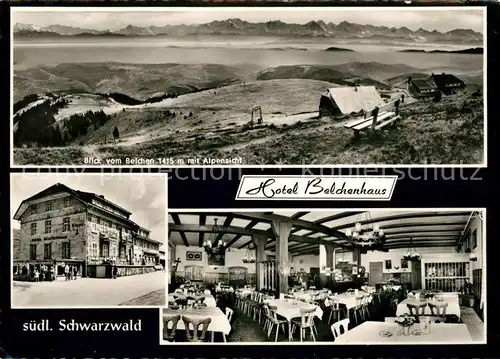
(61, 226)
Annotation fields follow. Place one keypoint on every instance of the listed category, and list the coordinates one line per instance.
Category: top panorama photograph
(248, 86)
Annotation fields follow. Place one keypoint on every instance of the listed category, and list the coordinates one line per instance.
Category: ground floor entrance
(47, 271)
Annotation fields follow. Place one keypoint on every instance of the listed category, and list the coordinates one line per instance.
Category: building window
(98, 220)
(33, 229)
(48, 227)
(32, 251)
(48, 206)
(33, 209)
(66, 253)
(47, 251)
(105, 250)
(67, 202)
(66, 225)
(94, 250)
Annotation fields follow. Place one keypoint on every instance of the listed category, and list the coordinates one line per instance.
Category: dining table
(220, 322)
(290, 308)
(387, 333)
(348, 299)
(306, 295)
(209, 298)
(453, 307)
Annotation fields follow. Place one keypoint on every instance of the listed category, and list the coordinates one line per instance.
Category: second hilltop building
(61, 226)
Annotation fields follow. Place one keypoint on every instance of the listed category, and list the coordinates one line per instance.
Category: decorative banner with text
(374, 188)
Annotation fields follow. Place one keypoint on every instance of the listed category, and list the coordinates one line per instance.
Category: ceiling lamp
(412, 255)
(364, 233)
(213, 245)
(249, 257)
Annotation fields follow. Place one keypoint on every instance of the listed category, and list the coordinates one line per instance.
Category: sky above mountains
(430, 19)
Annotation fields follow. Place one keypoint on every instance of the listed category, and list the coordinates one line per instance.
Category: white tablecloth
(305, 295)
(290, 308)
(219, 322)
(349, 300)
(368, 333)
(452, 309)
(209, 298)
(246, 291)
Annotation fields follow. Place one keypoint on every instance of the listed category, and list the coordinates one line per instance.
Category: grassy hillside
(448, 132)
(136, 80)
(323, 73)
(275, 96)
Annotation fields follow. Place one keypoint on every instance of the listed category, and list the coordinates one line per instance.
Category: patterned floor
(473, 322)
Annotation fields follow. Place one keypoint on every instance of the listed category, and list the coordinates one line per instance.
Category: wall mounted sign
(193, 256)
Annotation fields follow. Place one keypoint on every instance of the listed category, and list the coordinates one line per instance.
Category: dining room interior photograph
(384, 276)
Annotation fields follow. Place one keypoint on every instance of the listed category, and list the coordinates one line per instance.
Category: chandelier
(365, 235)
(412, 255)
(249, 257)
(212, 244)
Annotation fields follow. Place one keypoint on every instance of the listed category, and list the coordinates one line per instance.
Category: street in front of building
(91, 292)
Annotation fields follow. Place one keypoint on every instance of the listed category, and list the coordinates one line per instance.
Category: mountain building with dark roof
(61, 226)
(421, 88)
(448, 84)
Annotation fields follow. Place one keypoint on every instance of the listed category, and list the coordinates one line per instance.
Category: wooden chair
(169, 333)
(182, 303)
(439, 310)
(267, 319)
(365, 307)
(358, 308)
(275, 320)
(416, 310)
(195, 324)
(340, 327)
(229, 314)
(335, 310)
(394, 305)
(305, 322)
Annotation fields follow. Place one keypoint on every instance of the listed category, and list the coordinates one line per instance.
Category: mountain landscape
(342, 30)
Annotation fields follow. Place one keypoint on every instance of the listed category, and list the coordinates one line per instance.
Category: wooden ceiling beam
(177, 221)
(396, 217)
(295, 222)
(201, 235)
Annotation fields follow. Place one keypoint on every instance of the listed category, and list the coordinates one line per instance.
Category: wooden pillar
(356, 256)
(260, 256)
(282, 232)
(375, 115)
(329, 262)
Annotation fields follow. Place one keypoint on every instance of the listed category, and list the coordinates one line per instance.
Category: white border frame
(56, 175)
(15, 9)
(292, 211)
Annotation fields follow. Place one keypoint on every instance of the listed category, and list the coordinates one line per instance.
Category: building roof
(446, 79)
(85, 197)
(355, 99)
(424, 84)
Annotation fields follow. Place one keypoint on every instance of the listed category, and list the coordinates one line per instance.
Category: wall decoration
(194, 256)
(404, 263)
(388, 264)
(217, 259)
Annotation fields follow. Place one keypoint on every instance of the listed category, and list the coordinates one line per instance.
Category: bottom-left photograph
(88, 240)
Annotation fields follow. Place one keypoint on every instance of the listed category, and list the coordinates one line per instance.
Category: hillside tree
(116, 134)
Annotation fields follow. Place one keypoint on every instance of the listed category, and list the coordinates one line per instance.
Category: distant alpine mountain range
(345, 30)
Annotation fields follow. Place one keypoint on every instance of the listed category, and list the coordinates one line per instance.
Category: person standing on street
(66, 272)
